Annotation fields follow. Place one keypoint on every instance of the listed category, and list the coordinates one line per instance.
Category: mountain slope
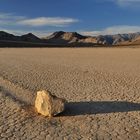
(73, 38)
(30, 38)
(61, 37)
(27, 37)
(7, 36)
(117, 39)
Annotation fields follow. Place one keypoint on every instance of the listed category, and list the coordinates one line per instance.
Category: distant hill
(117, 39)
(74, 38)
(61, 37)
(7, 36)
(26, 38)
(133, 41)
(30, 38)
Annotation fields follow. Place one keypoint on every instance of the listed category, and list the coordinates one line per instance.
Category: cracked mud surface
(101, 85)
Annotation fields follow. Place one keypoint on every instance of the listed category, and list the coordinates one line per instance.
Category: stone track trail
(102, 87)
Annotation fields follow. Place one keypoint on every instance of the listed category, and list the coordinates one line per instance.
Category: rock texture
(48, 104)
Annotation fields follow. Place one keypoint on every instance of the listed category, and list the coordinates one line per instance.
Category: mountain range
(74, 38)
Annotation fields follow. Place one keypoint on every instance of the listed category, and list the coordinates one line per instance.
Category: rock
(48, 104)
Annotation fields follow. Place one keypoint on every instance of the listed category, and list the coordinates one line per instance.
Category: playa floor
(101, 86)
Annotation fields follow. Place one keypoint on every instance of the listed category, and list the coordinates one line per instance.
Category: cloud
(11, 19)
(48, 21)
(20, 25)
(113, 30)
(124, 3)
(130, 3)
(8, 16)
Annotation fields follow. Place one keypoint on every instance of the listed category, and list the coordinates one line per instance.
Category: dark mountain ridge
(70, 38)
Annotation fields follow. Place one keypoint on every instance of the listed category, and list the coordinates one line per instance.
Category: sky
(88, 17)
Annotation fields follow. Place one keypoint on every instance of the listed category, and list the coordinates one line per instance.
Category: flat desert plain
(101, 86)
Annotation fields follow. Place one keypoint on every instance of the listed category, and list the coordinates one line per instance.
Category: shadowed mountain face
(73, 38)
(30, 37)
(27, 37)
(7, 36)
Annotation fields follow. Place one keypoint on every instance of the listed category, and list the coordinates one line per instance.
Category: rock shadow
(99, 107)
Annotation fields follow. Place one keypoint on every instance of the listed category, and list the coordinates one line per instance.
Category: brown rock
(48, 104)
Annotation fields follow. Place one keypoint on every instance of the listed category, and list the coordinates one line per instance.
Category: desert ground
(101, 86)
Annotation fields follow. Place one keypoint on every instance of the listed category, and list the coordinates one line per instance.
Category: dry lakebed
(101, 86)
